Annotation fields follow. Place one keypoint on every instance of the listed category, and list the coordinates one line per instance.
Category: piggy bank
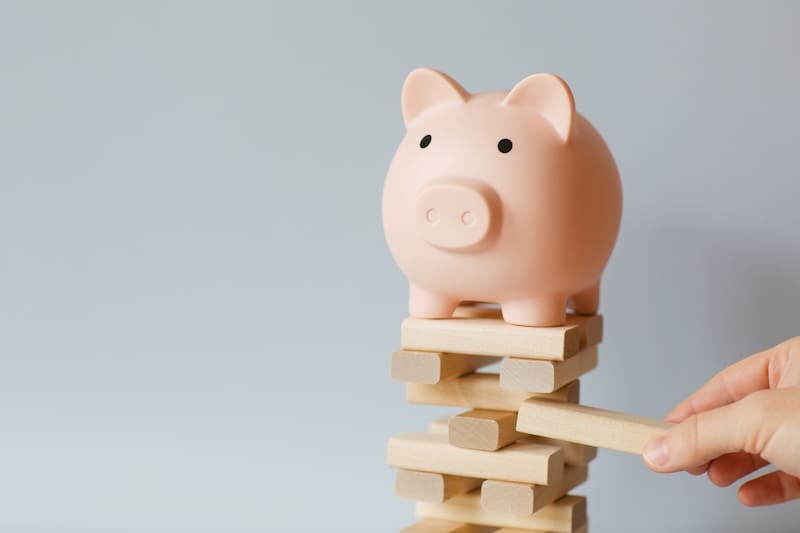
(509, 197)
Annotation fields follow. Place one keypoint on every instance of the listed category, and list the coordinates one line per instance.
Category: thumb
(705, 436)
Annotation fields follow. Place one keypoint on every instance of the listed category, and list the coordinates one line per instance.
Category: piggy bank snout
(456, 215)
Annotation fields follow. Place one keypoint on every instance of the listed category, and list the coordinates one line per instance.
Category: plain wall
(197, 306)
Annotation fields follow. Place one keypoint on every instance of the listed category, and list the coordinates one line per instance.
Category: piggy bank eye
(504, 146)
(425, 141)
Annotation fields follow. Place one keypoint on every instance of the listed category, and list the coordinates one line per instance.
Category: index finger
(757, 372)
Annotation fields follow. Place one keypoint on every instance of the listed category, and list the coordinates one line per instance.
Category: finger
(707, 435)
(769, 489)
(698, 470)
(759, 371)
(733, 466)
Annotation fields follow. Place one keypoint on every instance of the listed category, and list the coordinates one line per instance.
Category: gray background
(196, 303)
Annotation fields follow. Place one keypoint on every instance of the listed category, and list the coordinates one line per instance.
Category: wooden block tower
(510, 197)
(510, 461)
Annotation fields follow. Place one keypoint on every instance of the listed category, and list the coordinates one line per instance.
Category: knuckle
(791, 487)
(754, 431)
(783, 364)
(790, 349)
(690, 441)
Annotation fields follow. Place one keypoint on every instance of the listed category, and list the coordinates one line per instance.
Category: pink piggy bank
(504, 197)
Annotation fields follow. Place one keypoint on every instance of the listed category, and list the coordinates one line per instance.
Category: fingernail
(656, 452)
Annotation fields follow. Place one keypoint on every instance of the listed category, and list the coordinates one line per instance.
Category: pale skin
(745, 418)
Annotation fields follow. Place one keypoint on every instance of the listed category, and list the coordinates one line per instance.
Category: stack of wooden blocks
(508, 463)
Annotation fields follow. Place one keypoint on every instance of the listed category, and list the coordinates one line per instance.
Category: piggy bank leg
(587, 302)
(543, 311)
(425, 304)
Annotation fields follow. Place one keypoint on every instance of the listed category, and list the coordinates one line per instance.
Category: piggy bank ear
(425, 88)
(548, 95)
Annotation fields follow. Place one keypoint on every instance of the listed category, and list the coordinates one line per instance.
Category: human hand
(744, 418)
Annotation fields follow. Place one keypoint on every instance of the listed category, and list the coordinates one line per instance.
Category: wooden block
(591, 325)
(481, 390)
(565, 515)
(588, 425)
(431, 487)
(582, 529)
(433, 367)
(525, 498)
(528, 462)
(477, 310)
(481, 429)
(490, 336)
(429, 525)
(545, 376)
(574, 453)
(591, 328)
(439, 425)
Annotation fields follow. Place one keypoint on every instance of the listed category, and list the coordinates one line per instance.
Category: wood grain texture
(527, 462)
(431, 487)
(490, 336)
(428, 525)
(432, 367)
(439, 426)
(525, 498)
(591, 325)
(588, 425)
(481, 429)
(482, 390)
(582, 529)
(591, 329)
(565, 515)
(574, 454)
(532, 375)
